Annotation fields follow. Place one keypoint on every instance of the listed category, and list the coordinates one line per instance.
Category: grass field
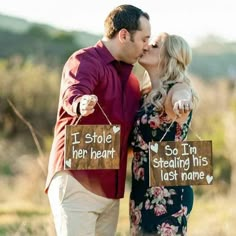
(24, 208)
(214, 216)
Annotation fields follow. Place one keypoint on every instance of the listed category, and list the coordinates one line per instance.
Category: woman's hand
(179, 103)
(182, 107)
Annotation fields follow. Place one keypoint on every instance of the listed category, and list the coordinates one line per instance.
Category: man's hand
(87, 104)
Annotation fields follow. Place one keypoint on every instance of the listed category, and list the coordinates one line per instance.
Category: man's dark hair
(123, 17)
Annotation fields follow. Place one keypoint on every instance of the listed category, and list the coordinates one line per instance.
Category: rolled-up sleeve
(77, 80)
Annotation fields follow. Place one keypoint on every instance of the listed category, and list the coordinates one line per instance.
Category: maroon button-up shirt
(94, 71)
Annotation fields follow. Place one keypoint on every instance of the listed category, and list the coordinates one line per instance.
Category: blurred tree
(34, 91)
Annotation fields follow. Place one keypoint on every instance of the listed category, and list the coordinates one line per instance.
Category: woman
(165, 114)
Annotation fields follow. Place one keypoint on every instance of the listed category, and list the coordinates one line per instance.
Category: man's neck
(111, 46)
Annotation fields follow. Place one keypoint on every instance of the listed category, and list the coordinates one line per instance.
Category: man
(86, 202)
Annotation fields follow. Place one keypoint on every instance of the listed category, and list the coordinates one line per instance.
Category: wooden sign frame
(92, 147)
(180, 163)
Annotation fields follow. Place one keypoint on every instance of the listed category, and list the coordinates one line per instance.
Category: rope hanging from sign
(174, 163)
(103, 112)
(92, 146)
(167, 130)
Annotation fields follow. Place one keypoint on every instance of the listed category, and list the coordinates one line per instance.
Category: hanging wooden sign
(92, 147)
(180, 163)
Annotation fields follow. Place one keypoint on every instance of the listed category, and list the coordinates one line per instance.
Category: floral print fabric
(156, 210)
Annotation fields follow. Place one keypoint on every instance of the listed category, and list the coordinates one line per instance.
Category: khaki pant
(78, 212)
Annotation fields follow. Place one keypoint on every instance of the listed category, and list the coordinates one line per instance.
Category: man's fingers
(87, 104)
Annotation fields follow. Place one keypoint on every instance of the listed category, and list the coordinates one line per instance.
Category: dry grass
(210, 217)
(24, 208)
(25, 214)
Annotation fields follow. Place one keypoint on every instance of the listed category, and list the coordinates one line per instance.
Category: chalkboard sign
(92, 147)
(180, 163)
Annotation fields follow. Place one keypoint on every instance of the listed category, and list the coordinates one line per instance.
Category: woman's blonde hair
(175, 56)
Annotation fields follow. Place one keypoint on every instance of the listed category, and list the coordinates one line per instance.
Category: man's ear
(123, 35)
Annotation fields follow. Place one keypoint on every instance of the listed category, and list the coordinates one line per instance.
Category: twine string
(103, 112)
(167, 130)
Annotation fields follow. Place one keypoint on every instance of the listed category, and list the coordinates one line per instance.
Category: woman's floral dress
(156, 210)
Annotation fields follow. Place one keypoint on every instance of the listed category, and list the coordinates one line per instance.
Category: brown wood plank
(180, 163)
(92, 147)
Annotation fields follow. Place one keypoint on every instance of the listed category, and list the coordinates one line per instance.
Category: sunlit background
(192, 19)
(36, 38)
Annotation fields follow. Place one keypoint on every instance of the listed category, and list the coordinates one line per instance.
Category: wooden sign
(180, 163)
(92, 147)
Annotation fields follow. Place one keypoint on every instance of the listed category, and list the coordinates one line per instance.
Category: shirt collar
(107, 57)
(104, 52)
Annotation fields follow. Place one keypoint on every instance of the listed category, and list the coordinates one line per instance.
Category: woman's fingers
(182, 106)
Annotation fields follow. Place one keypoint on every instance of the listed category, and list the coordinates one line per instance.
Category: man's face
(137, 43)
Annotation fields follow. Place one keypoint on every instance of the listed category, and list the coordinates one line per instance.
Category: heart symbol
(116, 129)
(154, 147)
(209, 178)
(68, 163)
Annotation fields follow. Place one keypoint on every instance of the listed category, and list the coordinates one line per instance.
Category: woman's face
(151, 58)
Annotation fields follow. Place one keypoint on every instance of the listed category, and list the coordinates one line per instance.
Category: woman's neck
(154, 78)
